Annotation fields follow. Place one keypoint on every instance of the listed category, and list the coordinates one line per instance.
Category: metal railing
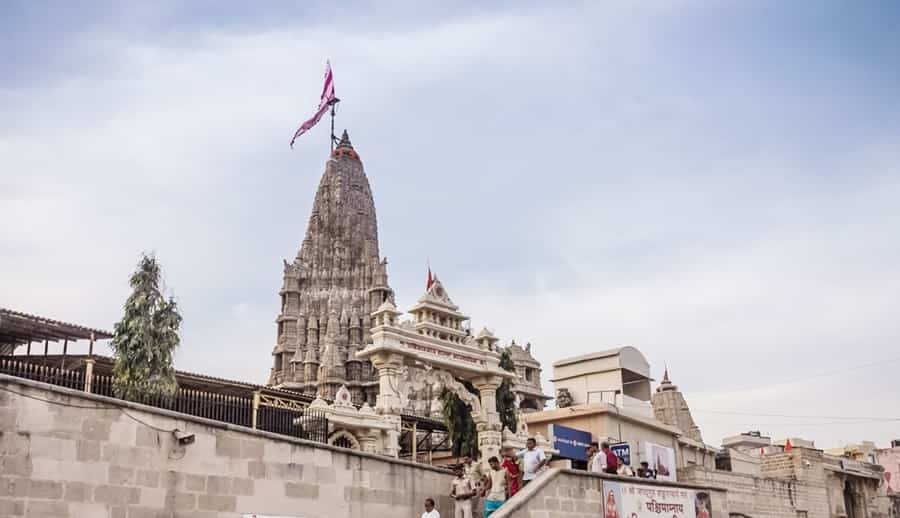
(254, 410)
(52, 375)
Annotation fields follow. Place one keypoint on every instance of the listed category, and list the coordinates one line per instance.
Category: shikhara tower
(332, 287)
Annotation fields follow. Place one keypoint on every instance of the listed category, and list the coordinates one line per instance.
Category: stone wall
(800, 483)
(758, 497)
(565, 493)
(68, 454)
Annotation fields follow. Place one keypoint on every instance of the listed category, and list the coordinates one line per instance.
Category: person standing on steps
(473, 471)
(512, 464)
(598, 459)
(612, 462)
(496, 483)
(462, 491)
(534, 460)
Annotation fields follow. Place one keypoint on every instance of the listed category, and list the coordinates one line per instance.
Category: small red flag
(788, 446)
(430, 279)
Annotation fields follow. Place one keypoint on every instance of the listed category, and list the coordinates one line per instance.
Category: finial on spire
(344, 147)
(345, 140)
(666, 374)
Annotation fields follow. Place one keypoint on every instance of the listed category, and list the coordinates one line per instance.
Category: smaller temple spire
(670, 407)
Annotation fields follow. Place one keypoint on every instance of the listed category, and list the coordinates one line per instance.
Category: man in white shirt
(430, 511)
(598, 461)
(534, 460)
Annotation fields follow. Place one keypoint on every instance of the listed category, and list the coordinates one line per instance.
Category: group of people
(505, 477)
(495, 485)
(601, 459)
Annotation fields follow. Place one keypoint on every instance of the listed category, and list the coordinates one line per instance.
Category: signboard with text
(623, 451)
(570, 442)
(625, 500)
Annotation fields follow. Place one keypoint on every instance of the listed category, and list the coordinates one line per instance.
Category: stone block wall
(803, 482)
(67, 454)
(749, 495)
(565, 493)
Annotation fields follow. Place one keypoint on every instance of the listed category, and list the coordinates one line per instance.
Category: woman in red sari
(511, 464)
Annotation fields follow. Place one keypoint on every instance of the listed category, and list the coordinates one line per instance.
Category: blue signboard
(623, 450)
(570, 442)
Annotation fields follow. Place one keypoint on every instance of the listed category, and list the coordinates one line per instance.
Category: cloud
(580, 178)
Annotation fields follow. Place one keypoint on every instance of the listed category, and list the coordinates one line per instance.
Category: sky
(714, 183)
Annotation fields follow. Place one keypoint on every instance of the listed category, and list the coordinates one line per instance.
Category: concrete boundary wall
(567, 493)
(64, 453)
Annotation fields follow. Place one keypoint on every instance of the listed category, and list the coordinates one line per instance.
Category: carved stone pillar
(489, 442)
(392, 436)
(388, 367)
(367, 441)
(487, 388)
(489, 435)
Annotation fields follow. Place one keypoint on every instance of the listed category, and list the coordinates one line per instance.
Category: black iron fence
(272, 414)
(53, 375)
(210, 405)
(308, 423)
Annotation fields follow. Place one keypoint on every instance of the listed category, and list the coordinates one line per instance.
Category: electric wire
(91, 407)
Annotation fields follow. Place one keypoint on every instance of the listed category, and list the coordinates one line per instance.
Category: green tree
(506, 399)
(458, 415)
(460, 425)
(146, 337)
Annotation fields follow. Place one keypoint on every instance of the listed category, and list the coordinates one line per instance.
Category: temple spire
(670, 407)
(333, 285)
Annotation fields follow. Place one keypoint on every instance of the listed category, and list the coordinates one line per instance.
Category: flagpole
(333, 103)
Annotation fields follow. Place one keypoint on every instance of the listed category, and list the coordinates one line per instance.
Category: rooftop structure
(619, 376)
(18, 329)
(747, 441)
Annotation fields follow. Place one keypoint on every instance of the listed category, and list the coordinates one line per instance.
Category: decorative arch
(344, 439)
(441, 379)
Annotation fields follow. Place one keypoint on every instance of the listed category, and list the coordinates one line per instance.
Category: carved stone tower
(336, 281)
(528, 385)
(670, 407)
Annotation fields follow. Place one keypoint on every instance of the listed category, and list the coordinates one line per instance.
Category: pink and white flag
(327, 97)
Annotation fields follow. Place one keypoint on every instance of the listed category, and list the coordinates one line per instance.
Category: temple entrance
(435, 350)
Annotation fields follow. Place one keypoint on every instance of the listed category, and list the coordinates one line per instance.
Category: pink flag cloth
(326, 98)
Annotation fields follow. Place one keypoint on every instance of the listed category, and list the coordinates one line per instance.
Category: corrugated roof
(17, 327)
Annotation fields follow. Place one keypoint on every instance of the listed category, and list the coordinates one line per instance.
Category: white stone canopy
(437, 343)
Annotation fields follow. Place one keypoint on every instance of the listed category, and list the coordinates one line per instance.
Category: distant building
(618, 376)
(528, 386)
(887, 458)
(865, 451)
(608, 394)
